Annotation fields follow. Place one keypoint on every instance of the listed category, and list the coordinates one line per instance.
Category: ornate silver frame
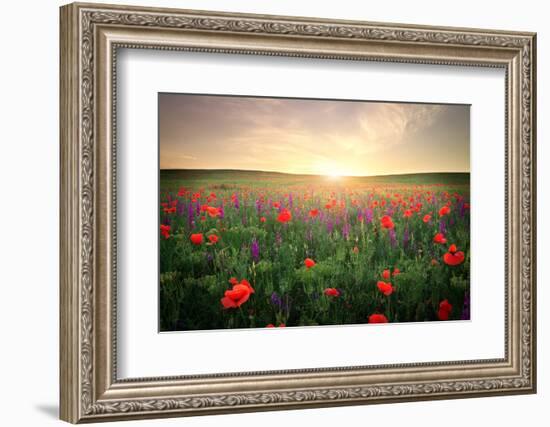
(90, 36)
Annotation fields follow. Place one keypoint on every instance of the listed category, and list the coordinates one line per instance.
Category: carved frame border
(90, 36)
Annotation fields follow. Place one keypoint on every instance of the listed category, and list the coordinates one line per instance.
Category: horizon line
(311, 174)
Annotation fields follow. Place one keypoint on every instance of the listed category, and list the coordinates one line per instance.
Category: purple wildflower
(190, 215)
(442, 226)
(461, 210)
(255, 250)
(276, 299)
(393, 240)
(466, 307)
(345, 231)
(406, 237)
(368, 216)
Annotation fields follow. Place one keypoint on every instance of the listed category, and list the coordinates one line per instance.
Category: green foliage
(350, 247)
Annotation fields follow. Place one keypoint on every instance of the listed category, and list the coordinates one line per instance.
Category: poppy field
(246, 249)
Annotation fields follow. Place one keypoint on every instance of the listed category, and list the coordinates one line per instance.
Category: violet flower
(466, 307)
(393, 240)
(406, 237)
(255, 250)
(442, 226)
(276, 300)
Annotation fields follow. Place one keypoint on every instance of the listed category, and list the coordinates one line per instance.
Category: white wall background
(29, 170)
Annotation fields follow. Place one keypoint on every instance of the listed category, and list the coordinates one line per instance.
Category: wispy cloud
(311, 136)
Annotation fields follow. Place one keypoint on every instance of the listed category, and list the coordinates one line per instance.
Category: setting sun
(334, 175)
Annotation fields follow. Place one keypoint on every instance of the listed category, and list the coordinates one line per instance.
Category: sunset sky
(319, 137)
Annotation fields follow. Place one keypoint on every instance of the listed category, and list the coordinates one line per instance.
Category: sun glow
(334, 175)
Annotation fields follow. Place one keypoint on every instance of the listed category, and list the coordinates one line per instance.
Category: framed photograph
(266, 212)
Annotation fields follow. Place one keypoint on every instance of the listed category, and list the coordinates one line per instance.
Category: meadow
(246, 249)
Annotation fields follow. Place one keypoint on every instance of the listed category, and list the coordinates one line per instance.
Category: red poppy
(197, 239)
(313, 213)
(235, 297)
(331, 292)
(408, 213)
(453, 257)
(271, 325)
(165, 231)
(378, 318)
(445, 210)
(262, 219)
(213, 212)
(213, 238)
(387, 222)
(238, 295)
(396, 271)
(385, 287)
(181, 192)
(284, 216)
(276, 205)
(440, 238)
(427, 218)
(170, 210)
(386, 274)
(247, 284)
(233, 281)
(445, 309)
(309, 263)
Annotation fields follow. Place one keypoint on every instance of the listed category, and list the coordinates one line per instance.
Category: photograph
(282, 212)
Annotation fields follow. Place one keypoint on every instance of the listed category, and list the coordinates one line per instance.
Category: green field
(308, 250)
(171, 179)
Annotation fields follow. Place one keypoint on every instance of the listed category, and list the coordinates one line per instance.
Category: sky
(311, 136)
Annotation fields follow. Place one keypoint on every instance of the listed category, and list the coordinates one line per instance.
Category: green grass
(172, 178)
(347, 241)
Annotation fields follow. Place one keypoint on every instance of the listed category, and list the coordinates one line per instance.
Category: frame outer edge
(69, 355)
(77, 338)
(533, 124)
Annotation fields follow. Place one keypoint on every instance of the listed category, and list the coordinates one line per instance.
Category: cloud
(299, 136)
(388, 125)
